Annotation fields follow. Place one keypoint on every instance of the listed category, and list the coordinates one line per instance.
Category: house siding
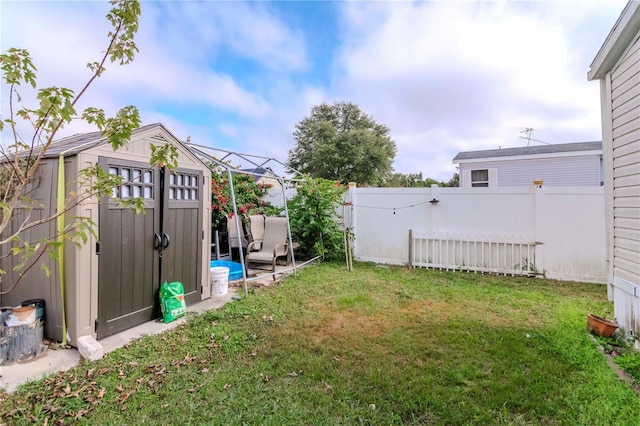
(625, 106)
(561, 171)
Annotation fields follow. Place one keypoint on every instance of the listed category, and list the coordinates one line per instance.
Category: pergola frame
(259, 162)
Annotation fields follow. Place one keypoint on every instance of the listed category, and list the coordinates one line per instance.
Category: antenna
(528, 132)
(539, 141)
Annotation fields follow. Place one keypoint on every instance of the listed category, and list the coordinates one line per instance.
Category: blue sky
(444, 76)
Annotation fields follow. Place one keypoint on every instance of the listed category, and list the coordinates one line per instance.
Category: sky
(444, 76)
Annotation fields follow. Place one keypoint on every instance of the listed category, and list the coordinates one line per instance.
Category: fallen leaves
(157, 369)
(80, 414)
(68, 386)
(124, 395)
(195, 388)
(73, 396)
(186, 360)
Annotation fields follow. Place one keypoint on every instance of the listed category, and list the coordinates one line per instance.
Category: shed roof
(72, 145)
(529, 150)
(625, 31)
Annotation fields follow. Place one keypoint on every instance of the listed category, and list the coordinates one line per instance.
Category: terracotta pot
(600, 326)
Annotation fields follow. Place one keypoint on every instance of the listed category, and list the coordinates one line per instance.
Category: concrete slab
(52, 360)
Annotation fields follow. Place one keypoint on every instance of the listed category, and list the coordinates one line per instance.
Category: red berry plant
(248, 194)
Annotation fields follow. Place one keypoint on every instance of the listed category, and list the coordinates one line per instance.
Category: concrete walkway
(51, 361)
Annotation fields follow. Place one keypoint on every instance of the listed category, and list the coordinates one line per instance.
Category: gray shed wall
(35, 284)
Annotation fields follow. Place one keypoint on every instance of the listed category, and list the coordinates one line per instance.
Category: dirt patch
(622, 375)
(349, 323)
(443, 311)
(352, 322)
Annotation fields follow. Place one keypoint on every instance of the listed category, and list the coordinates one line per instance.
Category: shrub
(314, 219)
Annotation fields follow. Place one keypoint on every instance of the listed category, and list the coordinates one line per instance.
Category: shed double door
(137, 252)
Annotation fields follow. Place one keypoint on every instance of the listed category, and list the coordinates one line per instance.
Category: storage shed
(617, 66)
(111, 283)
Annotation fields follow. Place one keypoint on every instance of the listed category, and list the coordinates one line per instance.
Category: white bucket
(219, 280)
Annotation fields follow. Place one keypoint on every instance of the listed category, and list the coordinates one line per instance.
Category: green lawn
(380, 345)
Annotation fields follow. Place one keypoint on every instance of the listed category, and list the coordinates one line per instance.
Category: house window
(480, 178)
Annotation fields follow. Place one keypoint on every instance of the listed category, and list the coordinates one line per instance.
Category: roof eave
(624, 32)
(561, 154)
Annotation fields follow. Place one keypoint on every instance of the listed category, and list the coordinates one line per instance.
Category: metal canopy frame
(259, 162)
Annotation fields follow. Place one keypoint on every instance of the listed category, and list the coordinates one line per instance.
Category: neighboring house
(617, 66)
(112, 282)
(568, 164)
(264, 176)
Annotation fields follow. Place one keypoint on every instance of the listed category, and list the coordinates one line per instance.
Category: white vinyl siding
(559, 171)
(625, 101)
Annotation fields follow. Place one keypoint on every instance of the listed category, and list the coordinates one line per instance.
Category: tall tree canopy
(415, 180)
(340, 142)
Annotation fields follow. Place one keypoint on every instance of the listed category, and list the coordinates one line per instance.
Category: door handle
(161, 243)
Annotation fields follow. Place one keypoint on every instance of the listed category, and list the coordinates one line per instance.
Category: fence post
(352, 219)
(410, 248)
(538, 195)
(433, 211)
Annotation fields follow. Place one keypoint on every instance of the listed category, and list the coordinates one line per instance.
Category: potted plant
(600, 326)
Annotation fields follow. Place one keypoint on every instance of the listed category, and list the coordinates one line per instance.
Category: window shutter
(493, 177)
(465, 178)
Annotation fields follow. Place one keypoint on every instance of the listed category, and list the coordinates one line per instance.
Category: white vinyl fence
(468, 252)
(558, 232)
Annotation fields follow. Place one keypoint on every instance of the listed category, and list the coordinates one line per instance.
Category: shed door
(182, 222)
(128, 266)
(138, 252)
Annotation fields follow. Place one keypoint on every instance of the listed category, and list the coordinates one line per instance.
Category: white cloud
(458, 76)
(444, 76)
(200, 30)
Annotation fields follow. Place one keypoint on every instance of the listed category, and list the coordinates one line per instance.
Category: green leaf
(118, 129)
(164, 155)
(46, 270)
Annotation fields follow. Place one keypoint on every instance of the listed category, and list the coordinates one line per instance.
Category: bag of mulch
(172, 301)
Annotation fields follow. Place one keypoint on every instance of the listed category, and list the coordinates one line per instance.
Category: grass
(381, 345)
(623, 353)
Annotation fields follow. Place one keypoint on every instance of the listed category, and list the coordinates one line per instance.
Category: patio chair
(256, 228)
(274, 243)
(234, 241)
